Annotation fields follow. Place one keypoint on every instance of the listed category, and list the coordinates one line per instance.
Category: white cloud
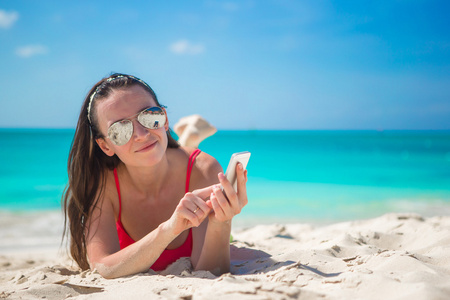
(186, 47)
(31, 50)
(7, 19)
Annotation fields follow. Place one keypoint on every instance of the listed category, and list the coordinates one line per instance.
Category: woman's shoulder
(205, 168)
(204, 161)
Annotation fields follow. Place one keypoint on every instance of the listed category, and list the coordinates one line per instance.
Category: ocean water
(329, 176)
(293, 176)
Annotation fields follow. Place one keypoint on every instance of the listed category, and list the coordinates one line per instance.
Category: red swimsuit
(168, 256)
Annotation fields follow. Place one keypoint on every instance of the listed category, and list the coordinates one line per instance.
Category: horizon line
(253, 129)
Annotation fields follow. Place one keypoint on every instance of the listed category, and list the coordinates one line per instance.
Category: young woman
(136, 199)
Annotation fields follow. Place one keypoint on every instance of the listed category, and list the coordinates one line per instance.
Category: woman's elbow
(223, 270)
(216, 270)
(105, 270)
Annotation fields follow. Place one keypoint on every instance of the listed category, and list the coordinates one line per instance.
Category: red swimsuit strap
(191, 161)
(116, 177)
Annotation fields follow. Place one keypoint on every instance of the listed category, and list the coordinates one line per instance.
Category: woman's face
(146, 146)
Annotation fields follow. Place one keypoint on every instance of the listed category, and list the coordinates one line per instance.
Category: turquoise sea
(294, 176)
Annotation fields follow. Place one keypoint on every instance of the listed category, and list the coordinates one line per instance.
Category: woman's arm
(103, 247)
(215, 253)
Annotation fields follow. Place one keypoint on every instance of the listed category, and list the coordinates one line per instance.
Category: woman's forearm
(138, 257)
(215, 254)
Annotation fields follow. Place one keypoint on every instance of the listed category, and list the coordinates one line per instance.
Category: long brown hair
(87, 164)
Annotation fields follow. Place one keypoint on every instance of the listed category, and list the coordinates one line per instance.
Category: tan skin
(156, 212)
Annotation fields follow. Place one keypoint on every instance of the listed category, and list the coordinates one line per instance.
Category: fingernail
(221, 176)
(240, 166)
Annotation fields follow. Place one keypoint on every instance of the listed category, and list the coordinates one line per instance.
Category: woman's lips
(147, 147)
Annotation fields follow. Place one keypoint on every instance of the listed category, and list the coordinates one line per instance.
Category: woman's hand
(226, 207)
(191, 211)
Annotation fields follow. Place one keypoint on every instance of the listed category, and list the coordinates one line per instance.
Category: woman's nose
(139, 130)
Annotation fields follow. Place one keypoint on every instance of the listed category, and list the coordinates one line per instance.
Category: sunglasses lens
(120, 132)
(152, 118)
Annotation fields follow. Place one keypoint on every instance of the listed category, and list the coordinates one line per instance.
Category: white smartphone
(230, 174)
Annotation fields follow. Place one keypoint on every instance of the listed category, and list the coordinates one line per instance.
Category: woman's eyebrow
(132, 116)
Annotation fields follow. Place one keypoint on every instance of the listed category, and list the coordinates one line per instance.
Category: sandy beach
(395, 256)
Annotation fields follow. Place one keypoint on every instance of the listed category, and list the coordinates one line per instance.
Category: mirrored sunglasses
(121, 131)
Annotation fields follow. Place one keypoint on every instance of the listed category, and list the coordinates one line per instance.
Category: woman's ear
(104, 146)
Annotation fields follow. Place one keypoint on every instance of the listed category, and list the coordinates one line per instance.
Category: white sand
(396, 256)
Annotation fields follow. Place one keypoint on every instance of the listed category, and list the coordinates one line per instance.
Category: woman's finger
(231, 194)
(191, 210)
(241, 185)
(203, 193)
(222, 200)
(218, 211)
(201, 209)
(229, 203)
(199, 205)
(226, 185)
(186, 215)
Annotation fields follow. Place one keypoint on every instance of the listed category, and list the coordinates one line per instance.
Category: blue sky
(242, 64)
